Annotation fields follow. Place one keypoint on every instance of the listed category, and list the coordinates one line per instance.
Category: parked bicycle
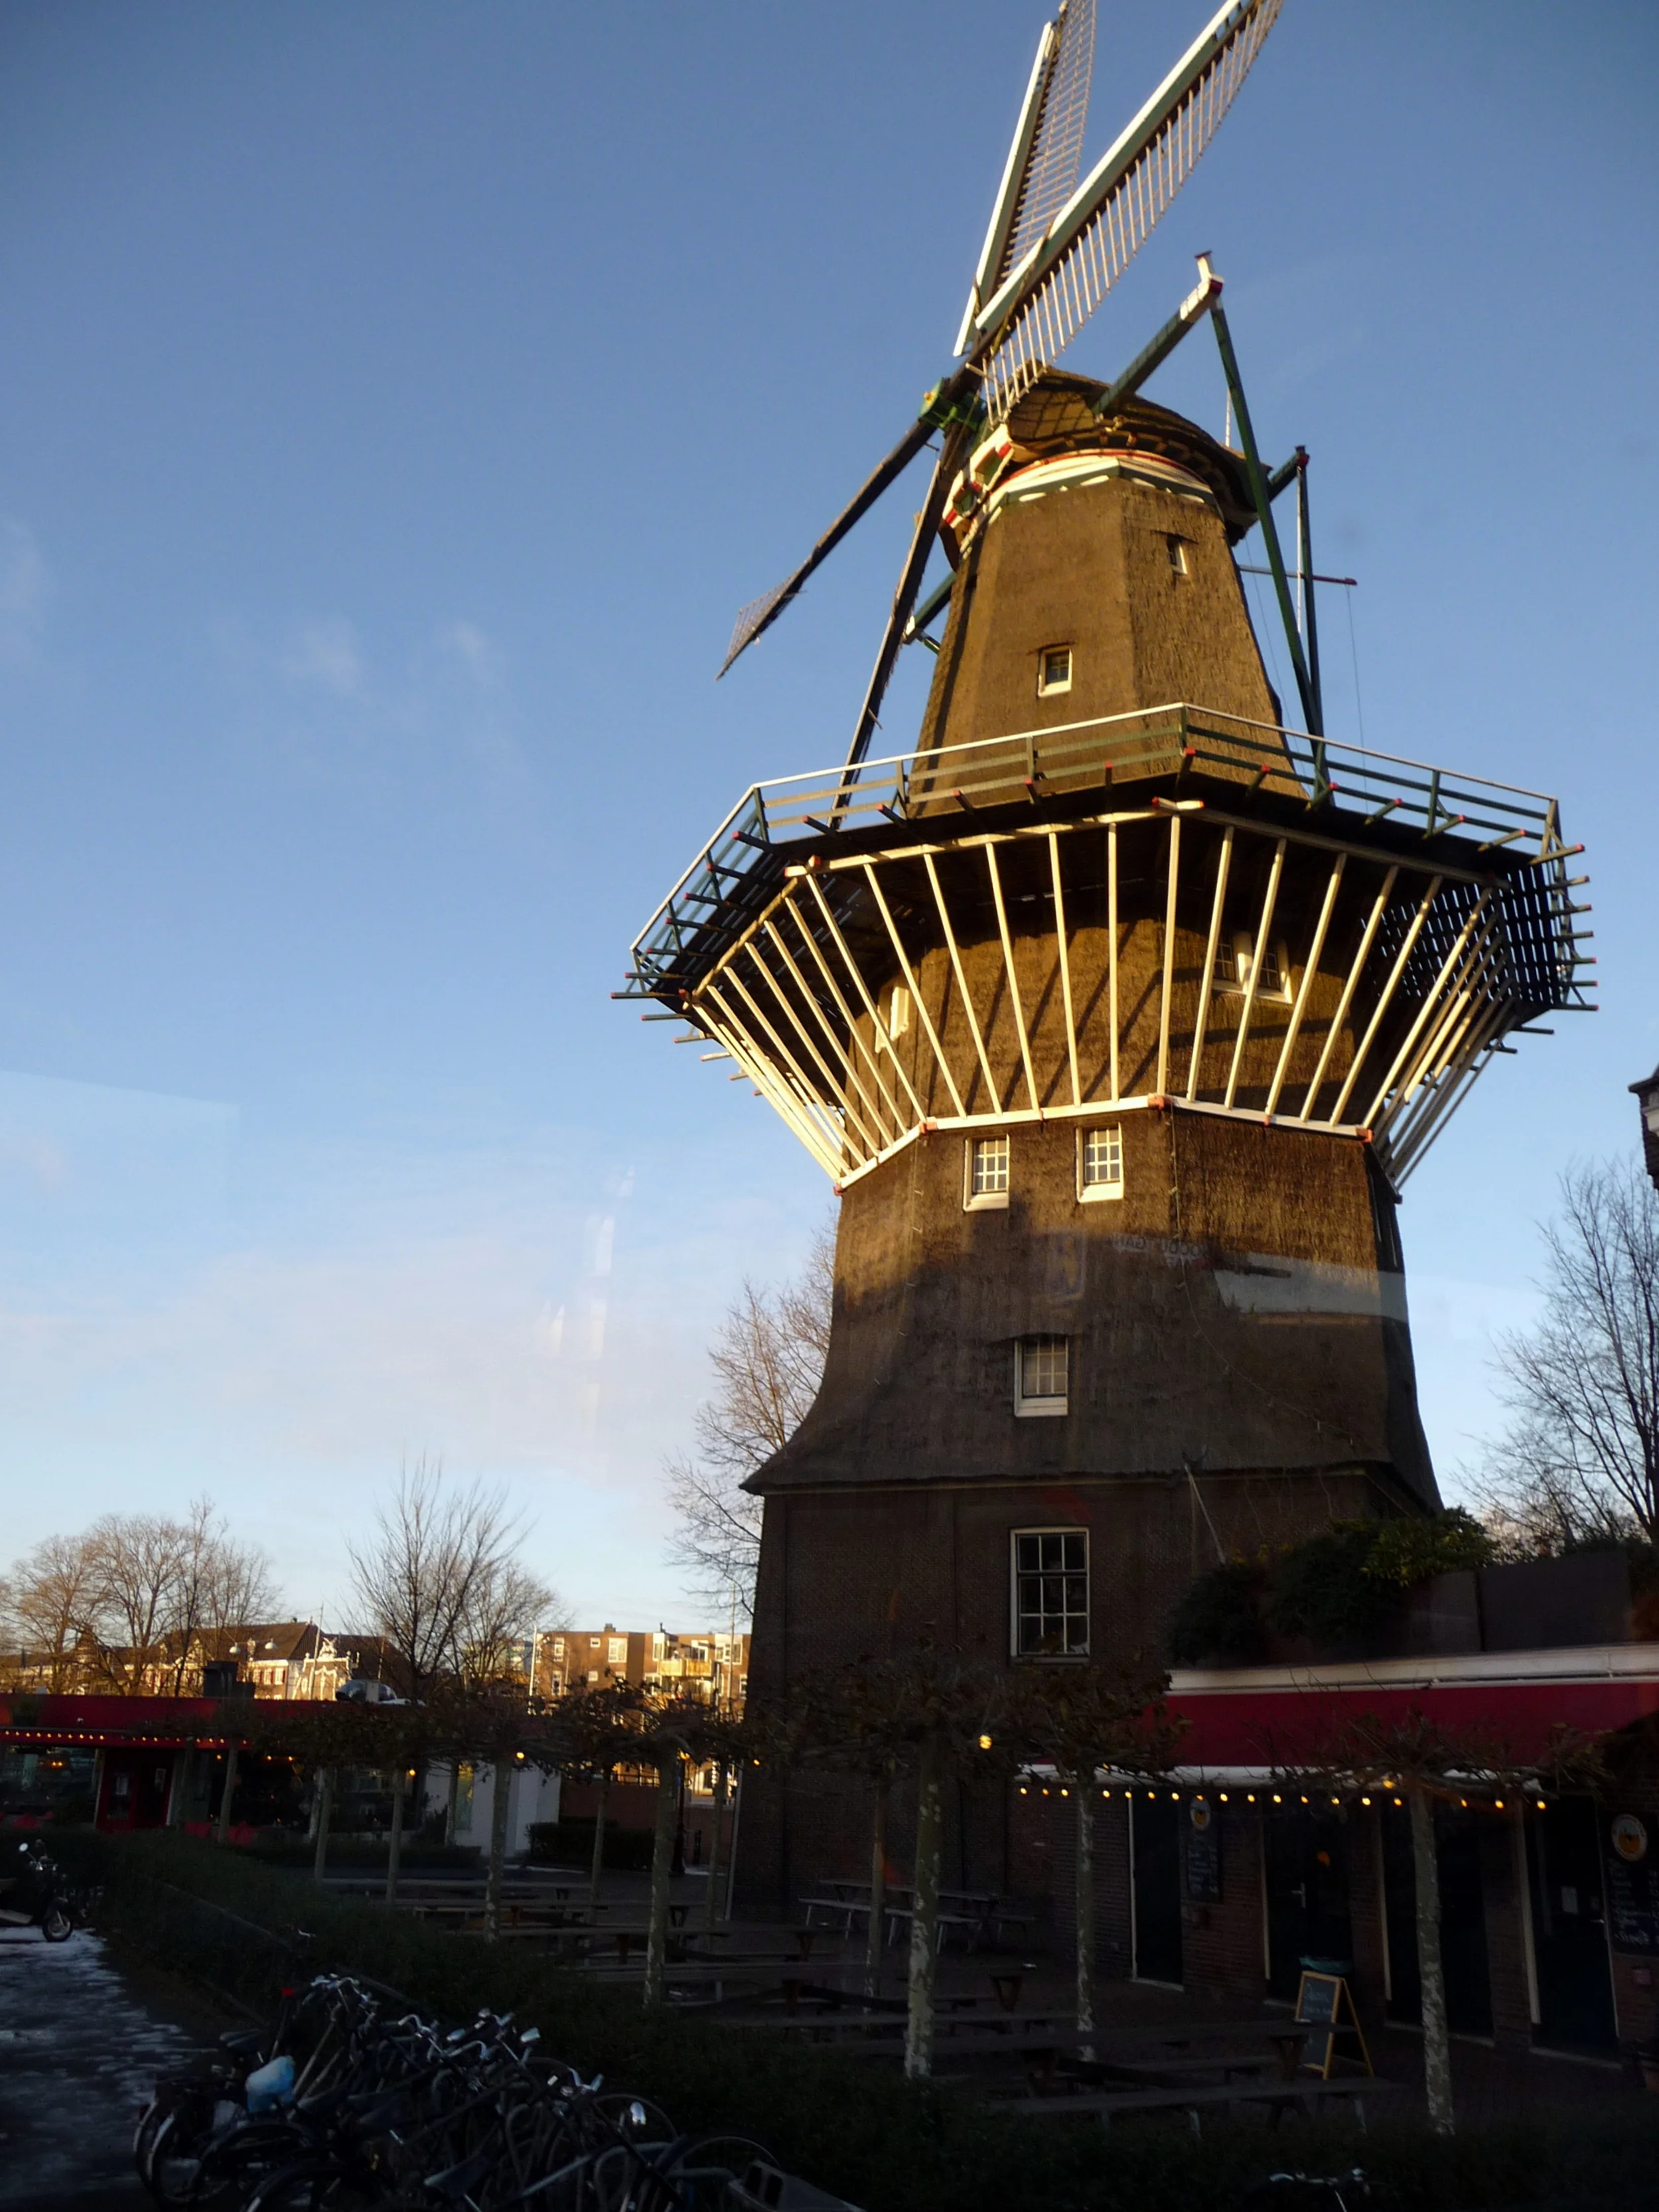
(341, 2105)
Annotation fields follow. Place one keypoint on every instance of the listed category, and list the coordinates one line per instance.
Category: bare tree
(48, 1603)
(505, 1606)
(423, 1580)
(1582, 1456)
(133, 1600)
(767, 1355)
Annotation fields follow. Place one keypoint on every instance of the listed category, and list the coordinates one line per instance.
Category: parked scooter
(33, 1894)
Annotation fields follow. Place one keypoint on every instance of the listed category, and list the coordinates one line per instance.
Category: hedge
(885, 2144)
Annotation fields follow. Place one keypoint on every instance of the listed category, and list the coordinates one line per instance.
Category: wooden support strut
(994, 1095)
(1386, 997)
(854, 1035)
(1218, 909)
(849, 1081)
(1169, 955)
(1013, 980)
(1258, 961)
(916, 997)
(1065, 968)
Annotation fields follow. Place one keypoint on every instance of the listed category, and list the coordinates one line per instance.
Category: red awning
(1262, 1730)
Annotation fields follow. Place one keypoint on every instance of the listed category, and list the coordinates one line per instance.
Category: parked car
(361, 1690)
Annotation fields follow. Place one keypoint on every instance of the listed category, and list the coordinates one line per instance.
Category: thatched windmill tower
(1117, 1010)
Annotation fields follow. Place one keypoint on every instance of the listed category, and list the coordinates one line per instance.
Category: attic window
(1054, 670)
(1178, 556)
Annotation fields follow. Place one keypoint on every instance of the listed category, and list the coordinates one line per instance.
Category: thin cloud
(25, 588)
(326, 653)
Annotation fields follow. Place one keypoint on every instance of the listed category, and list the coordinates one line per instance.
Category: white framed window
(1050, 1598)
(985, 1172)
(1236, 961)
(1178, 560)
(898, 1011)
(1042, 1377)
(1054, 670)
(618, 1650)
(1100, 1161)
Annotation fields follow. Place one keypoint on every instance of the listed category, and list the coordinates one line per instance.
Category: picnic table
(1280, 2096)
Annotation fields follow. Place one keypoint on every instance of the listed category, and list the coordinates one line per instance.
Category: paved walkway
(78, 2057)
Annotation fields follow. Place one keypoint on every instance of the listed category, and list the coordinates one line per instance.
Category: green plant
(1217, 1622)
(1413, 1550)
(1322, 1588)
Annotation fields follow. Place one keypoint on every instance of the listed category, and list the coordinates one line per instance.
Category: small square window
(1178, 556)
(1235, 962)
(1054, 670)
(1100, 1162)
(898, 1011)
(987, 1172)
(1050, 1594)
(1042, 1377)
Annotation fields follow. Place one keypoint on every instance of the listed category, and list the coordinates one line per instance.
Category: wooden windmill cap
(1056, 418)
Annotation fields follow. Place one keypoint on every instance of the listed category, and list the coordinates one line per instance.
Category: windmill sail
(1040, 174)
(1047, 298)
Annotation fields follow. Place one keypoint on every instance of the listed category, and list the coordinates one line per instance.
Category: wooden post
(662, 1855)
(501, 1778)
(930, 1824)
(1085, 1913)
(394, 1847)
(595, 1874)
(878, 1928)
(712, 1900)
(325, 1809)
(1437, 2044)
(221, 1827)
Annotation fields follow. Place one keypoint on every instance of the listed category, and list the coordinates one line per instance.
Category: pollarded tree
(935, 1714)
(676, 1728)
(592, 1733)
(1422, 1762)
(1084, 1721)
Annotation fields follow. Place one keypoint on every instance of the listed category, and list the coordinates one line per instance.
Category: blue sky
(396, 401)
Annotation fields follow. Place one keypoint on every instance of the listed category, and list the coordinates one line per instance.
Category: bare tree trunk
(1437, 2045)
(394, 1845)
(876, 1933)
(1085, 1916)
(500, 1794)
(596, 1875)
(662, 1855)
(184, 1770)
(221, 1830)
(452, 1802)
(713, 1898)
(924, 1923)
(324, 1810)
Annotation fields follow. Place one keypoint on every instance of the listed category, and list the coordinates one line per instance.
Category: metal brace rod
(1269, 533)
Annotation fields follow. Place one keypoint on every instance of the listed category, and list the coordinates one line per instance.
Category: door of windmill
(1305, 1867)
(1569, 1926)
(1156, 1840)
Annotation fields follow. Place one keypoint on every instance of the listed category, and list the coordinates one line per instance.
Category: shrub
(1410, 1551)
(1324, 1588)
(1218, 1621)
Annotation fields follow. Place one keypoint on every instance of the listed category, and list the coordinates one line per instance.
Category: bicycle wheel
(316, 2184)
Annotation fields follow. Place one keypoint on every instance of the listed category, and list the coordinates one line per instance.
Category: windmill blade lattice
(1092, 242)
(1056, 155)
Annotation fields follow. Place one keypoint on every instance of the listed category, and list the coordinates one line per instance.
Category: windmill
(1117, 1009)
(1053, 250)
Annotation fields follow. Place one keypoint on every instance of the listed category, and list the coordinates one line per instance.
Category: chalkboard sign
(1633, 1878)
(1326, 2003)
(1201, 1852)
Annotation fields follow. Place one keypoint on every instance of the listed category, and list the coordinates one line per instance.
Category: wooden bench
(1106, 2106)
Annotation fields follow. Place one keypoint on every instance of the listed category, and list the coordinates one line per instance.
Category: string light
(1277, 1800)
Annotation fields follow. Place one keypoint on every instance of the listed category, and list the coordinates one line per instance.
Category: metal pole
(1310, 619)
(1264, 512)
